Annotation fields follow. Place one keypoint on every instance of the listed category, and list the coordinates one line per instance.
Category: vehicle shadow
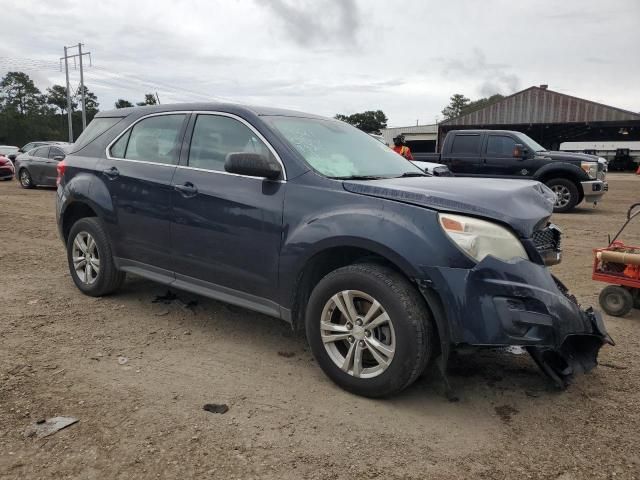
(472, 375)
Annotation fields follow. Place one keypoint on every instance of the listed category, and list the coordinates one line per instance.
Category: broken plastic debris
(44, 428)
(515, 350)
(122, 360)
(216, 407)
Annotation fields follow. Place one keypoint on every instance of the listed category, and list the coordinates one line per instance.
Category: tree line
(372, 121)
(27, 113)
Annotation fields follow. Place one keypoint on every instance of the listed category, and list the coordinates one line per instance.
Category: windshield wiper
(359, 177)
(413, 174)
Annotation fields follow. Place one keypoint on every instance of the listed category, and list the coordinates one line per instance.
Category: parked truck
(573, 177)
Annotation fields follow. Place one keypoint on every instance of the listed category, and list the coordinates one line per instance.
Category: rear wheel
(567, 195)
(616, 300)
(25, 179)
(369, 329)
(91, 259)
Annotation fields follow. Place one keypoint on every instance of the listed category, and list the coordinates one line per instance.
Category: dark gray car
(37, 167)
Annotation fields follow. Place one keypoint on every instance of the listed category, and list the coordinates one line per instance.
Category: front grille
(547, 239)
(547, 243)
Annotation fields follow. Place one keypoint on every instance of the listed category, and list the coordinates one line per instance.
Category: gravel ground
(143, 418)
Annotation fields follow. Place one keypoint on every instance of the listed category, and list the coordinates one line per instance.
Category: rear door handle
(111, 173)
(187, 190)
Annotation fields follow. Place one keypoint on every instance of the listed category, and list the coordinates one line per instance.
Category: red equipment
(619, 265)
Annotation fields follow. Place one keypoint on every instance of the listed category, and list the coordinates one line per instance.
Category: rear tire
(616, 301)
(566, 192)
(90, 258)
(24, 177)
(375, 355)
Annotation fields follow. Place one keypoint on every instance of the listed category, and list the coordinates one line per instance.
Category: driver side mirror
(253, 164)
(519, 151)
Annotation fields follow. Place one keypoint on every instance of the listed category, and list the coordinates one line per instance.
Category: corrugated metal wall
(538, 105)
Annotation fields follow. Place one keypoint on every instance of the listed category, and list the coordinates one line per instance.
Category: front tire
(567, 195)
(25, 178)
(90, 258)
(616, 301)
(369, 329)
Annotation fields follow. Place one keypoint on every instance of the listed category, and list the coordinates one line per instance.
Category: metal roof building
(420, 138)
(551, 118)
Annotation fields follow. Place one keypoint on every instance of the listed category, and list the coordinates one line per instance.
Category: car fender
(83, 188)
(410, 237)
(561, 169)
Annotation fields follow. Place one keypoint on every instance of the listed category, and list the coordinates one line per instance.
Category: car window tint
(215, 136)
(466, 144)
(156, 139)
(96, 127)
(40, 152)
(118, 149)
(55, 152)
(500, 145)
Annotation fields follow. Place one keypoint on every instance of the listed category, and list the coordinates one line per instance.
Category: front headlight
(590, 168)
(479, 238)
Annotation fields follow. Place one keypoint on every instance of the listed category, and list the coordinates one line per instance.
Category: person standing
(400, 148)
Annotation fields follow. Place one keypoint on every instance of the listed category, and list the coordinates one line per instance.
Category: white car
(435, 169)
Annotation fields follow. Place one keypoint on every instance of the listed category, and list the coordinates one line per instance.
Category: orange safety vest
(403, 150)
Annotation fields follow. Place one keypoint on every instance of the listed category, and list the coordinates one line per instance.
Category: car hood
(569, 156)
(522, 204)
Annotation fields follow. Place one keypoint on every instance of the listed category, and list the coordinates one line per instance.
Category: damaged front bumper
(517, 303)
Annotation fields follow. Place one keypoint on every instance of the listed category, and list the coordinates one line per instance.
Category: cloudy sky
(332, 56)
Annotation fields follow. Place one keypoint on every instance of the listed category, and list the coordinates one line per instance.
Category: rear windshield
(96, 128)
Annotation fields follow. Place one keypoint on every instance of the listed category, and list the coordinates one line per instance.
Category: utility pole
(66, 58)
(84, 112)
(66, 72)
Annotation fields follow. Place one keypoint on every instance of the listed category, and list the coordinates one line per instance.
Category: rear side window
(500, 145)
(154, 139)
(55, 152)
(466, 144)
(215, 136)
(40, 152)
(96, 127)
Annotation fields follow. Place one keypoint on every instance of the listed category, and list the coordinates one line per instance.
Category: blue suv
(312, 221)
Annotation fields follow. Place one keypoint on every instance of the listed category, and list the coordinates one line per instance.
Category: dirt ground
(59, 355)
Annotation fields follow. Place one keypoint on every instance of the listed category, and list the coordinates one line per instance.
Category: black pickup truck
(573, 177)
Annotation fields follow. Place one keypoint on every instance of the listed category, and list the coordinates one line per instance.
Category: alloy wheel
(358, 334)
(86, 260)
(25, 179)
(563, 195)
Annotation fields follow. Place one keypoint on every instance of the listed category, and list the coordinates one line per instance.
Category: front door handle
(111, 173)
(187, 190)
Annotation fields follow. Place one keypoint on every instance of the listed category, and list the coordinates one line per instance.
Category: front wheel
(567, 195)
(91, 259)
(369, 329)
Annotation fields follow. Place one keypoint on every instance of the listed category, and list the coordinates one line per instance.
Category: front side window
(40, 152)
(215, 136)
(530, 142)
(500, 145)
(338, 150)
(154, 139)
